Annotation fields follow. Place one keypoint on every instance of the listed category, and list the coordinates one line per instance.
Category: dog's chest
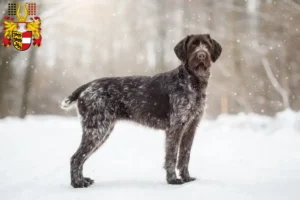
(196, 100)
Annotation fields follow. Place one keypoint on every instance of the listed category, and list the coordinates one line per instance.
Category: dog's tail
(68, 102)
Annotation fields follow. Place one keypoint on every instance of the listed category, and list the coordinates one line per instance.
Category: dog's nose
(201, 55)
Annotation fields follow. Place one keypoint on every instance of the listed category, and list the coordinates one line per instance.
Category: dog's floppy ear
(217, 50)
(181, 49)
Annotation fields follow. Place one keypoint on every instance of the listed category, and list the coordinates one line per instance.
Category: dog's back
(138, 98)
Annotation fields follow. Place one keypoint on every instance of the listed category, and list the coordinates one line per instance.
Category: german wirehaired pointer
(173, 101)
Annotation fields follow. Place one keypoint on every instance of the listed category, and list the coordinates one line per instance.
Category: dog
(173, 101)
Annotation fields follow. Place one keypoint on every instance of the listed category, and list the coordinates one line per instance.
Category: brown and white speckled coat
(173, 101)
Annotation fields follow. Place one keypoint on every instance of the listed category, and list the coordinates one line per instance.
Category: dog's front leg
(173, 136)
(185, 150)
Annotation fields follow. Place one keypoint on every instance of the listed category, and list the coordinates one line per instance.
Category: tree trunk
(28, 78)
(160, 56)
(236, 58)
(6, 75)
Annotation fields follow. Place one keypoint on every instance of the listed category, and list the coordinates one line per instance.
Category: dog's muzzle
(201, 55)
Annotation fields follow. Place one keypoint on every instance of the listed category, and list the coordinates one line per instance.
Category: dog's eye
(195, 43)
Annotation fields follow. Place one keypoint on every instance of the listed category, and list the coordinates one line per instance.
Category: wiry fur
(173, 101)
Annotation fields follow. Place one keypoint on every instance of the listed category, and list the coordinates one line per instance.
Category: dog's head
(198, 51)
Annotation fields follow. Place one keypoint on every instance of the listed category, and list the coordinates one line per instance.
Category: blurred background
(258, 71)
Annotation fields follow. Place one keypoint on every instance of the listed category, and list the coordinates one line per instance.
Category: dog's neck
(198, 79)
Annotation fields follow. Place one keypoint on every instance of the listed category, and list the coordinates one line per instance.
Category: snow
(233, 157)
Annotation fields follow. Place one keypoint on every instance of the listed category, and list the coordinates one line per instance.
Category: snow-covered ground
(233, 157)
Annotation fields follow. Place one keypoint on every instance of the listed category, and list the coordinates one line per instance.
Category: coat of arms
(22, 33)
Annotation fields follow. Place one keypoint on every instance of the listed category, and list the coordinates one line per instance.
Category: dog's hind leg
(96, 130)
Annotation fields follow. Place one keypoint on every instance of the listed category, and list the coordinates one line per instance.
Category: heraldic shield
(24, 31)
(22, 40)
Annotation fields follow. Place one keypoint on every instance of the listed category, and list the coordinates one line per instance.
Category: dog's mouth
(202, 65)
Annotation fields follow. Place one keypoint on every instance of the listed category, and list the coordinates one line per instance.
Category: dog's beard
(205, 65)
(199, 66)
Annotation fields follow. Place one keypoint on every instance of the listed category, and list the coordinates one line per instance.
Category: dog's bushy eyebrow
(195, 41)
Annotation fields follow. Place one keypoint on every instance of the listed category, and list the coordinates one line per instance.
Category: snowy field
(234, 157)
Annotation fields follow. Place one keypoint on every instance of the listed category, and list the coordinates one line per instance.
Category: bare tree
(28, 77)
(283, 93)
(161, 27)
(6, 75)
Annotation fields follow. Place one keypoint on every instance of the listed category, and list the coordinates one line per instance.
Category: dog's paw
(176, 181)
(188, 179)
(91, 181)
(82, 183)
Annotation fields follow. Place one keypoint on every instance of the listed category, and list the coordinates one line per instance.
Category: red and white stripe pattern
(26, 40)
